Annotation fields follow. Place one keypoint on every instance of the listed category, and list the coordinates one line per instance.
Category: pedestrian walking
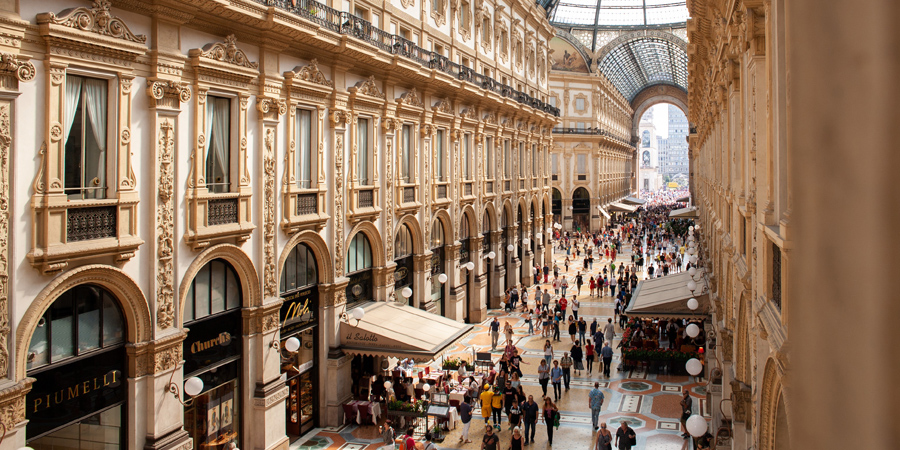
(530, 411)
(687, 408)
(604, 439)
(550, 417)
(625, 436)
(607, 354)
(495, 333)
(544, 375)
(595, 402)
(465, 415)
(556, 376)
(589, 356)
(577, 356)
(490, 441)
(566, 363)
(609, 330)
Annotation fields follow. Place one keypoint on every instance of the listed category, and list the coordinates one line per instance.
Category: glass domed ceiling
(612, 13)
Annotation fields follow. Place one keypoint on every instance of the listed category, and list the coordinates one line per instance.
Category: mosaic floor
(649, 402)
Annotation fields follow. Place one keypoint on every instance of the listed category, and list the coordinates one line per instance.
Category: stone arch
(508, 210)
(535, 206)
(491, 213)
(523, 206)
(134, 305)
(771, 398)
(444, 217)
(238, 260)
(415, 229)
(319, 249)
(654, 95)
(468, 212)
(626, 37)
(576, 188)
(374, 236)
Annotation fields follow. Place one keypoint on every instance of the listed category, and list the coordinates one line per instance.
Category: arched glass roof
(644, 61)
(612, 13)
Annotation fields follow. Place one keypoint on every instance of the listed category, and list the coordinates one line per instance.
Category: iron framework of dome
(645, 60)
(616, 13)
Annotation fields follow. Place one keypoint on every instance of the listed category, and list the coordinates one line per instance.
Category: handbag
(556, 417)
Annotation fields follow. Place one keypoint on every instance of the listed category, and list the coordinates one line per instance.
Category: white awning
(401, 331)
(685, 213)
(667, 297)
(603, 211)
(621, 207)
(633, 201)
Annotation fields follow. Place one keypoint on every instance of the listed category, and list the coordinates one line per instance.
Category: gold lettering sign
(111, 379)
(223, 339)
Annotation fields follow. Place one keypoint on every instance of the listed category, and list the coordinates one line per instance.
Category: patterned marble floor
(649, 402)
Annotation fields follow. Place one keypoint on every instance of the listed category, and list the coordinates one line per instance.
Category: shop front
(299, 321)
(77, 359)
(403, 273)
(359, 269)
(212, 352)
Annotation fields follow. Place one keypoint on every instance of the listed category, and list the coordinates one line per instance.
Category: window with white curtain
(306, 157)
(489, 157)
(467, 156)
(534, 160)
(218, 144)
(86, 137)
(507, 159)
(439, 155)
(405, 153)
(359, 254)
(362, 149)
(554, 164)
(582, 164)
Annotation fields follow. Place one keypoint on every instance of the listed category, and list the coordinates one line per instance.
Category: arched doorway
(438, 241)
(581, 209)
(213, 353)
(520, 246)
(556, 206)
(77, 357)
(506, 255)
(403, 257)
(359, 269)
(465, 255)
(299, 319)
(486, 250)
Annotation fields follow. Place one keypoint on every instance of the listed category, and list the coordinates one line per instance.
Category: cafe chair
(349, 413)
(364, 416)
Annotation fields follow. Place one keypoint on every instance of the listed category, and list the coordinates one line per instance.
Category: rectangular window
(521, 159)
(362, 146)
(489, 157)
(507, 159)
(439, 155)
(580, 125)
(405, 153)
(467, 156)
(554, 164)
(464, 13)
(582, 164)
(534, 160)
(552, 101)
(86, 137)
(306, 157)
(218, 144)
(776, 276)
(579, 104)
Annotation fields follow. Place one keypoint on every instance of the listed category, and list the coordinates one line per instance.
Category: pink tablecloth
(374, 410)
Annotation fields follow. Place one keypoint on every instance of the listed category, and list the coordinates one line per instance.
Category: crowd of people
(657, 246)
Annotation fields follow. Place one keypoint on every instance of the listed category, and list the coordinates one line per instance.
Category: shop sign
(299, 309)
(65, 394)
(360, 286)
(212, 340)
(403, 272)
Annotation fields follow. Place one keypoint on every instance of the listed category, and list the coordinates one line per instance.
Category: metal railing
(409, 195)
(345, 23)
(84, 224)
(595, 132)
(222, 211)
(307, 204)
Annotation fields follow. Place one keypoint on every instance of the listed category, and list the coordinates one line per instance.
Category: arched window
(403, 245)
(359, 253)
(215, 289)
(299, 270)
(82, 320)
(437, 234)
(464, 239)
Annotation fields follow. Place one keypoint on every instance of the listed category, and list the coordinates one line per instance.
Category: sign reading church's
(210, 341)
(69, 392)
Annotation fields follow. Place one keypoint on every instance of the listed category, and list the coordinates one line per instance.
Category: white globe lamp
(193, 386)
(693, 304)
(510, 247)
(526, 241)
(470, 265)
(442, 278)
(406, 292)
(491, 255)
(292, 344)
(696, 425)
(692, 271)
(692, 286)
(693, 330)
(426, 387)
(358, 313)
(693, 366)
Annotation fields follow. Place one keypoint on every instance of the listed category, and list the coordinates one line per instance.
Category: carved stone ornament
(5, 145)
(23, 70)
(96, 19)
(468, 113)
(265, 105)
(443, 106)
(168, 88)
(228, 52)
(312, 74)
(407, 3)
(368, 87)
(270, 284)
(338, 118)
(490, 118)
(411, 98)
(165, 229)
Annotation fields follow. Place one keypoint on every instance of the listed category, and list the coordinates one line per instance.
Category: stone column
(496, 294)
(841, 62)
(333, 365)
(456, 297)
(421, 286)
(477, 306)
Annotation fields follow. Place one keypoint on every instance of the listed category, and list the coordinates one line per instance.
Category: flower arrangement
(414, 406)
(455, 363)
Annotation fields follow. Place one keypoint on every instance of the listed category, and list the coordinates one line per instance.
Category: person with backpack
(490, 441)
(407, 442)
(428, 444)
